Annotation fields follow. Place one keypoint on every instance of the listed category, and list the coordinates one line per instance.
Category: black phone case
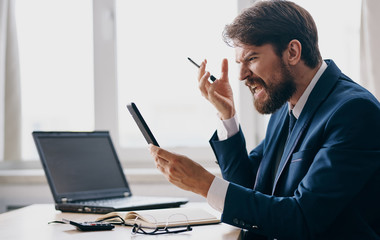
(148, 135)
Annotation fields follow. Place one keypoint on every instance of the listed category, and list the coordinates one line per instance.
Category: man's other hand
(182, 171)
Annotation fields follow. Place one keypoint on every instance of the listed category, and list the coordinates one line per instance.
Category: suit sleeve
(345, 172)
(235, 163)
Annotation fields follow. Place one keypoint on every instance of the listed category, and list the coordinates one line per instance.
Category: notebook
(85, 175)
(161, 218)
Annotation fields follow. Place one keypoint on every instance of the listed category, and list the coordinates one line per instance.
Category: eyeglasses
(157, 231)
(175, 223)
(148, 225)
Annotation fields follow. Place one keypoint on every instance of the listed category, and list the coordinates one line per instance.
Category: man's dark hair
(276, 22)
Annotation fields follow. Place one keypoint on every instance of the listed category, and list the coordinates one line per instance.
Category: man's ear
(293, 52)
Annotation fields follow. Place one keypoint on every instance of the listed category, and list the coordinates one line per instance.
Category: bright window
(338, 24)
(56, 61)
(154, 40)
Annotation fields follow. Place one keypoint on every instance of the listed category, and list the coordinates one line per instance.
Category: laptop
(85, 175)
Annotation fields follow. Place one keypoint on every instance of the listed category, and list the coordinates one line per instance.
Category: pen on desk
(191, 60)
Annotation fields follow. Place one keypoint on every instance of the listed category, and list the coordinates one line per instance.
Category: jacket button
(255, 227)
(235, 221)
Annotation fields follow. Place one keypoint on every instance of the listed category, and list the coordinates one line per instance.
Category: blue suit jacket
(328, 183)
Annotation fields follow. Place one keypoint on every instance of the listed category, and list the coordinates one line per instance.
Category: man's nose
(244, 73)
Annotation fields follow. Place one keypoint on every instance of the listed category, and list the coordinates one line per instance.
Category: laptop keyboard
(115, 202)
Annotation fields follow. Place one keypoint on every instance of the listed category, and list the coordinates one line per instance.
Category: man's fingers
(160, 162)
(202, 70)
(203, 76)
(204, 84)
(160, 153)
(166, 161)
(224, 74)
(169, 170)
(159, 166)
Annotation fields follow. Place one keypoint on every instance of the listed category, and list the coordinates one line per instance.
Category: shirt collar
(297, 109)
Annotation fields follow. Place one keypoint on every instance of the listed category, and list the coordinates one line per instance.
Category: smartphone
(148, 135)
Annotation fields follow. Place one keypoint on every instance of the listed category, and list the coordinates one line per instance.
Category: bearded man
(316, 175)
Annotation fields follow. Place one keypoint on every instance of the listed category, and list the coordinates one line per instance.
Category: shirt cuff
(217, 194)
(228, 128)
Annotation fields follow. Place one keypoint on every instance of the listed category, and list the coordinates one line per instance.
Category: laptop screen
(81, 165)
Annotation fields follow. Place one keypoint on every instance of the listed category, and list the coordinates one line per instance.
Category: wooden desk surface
(32, 223)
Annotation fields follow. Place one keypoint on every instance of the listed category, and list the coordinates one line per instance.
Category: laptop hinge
(127, 194)
(64, 200)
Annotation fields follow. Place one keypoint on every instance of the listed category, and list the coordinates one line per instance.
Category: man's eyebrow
(249, 55)
(246, 57)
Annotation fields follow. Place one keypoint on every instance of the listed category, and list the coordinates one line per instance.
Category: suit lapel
(320, 92)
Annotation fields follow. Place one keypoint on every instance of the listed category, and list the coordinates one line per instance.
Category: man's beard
(278, 92)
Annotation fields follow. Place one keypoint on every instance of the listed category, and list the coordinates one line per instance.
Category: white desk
(32, 223)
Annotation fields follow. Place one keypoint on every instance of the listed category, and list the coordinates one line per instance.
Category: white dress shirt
(218, 189)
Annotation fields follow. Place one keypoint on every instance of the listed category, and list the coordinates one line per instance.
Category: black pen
(191, 60)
